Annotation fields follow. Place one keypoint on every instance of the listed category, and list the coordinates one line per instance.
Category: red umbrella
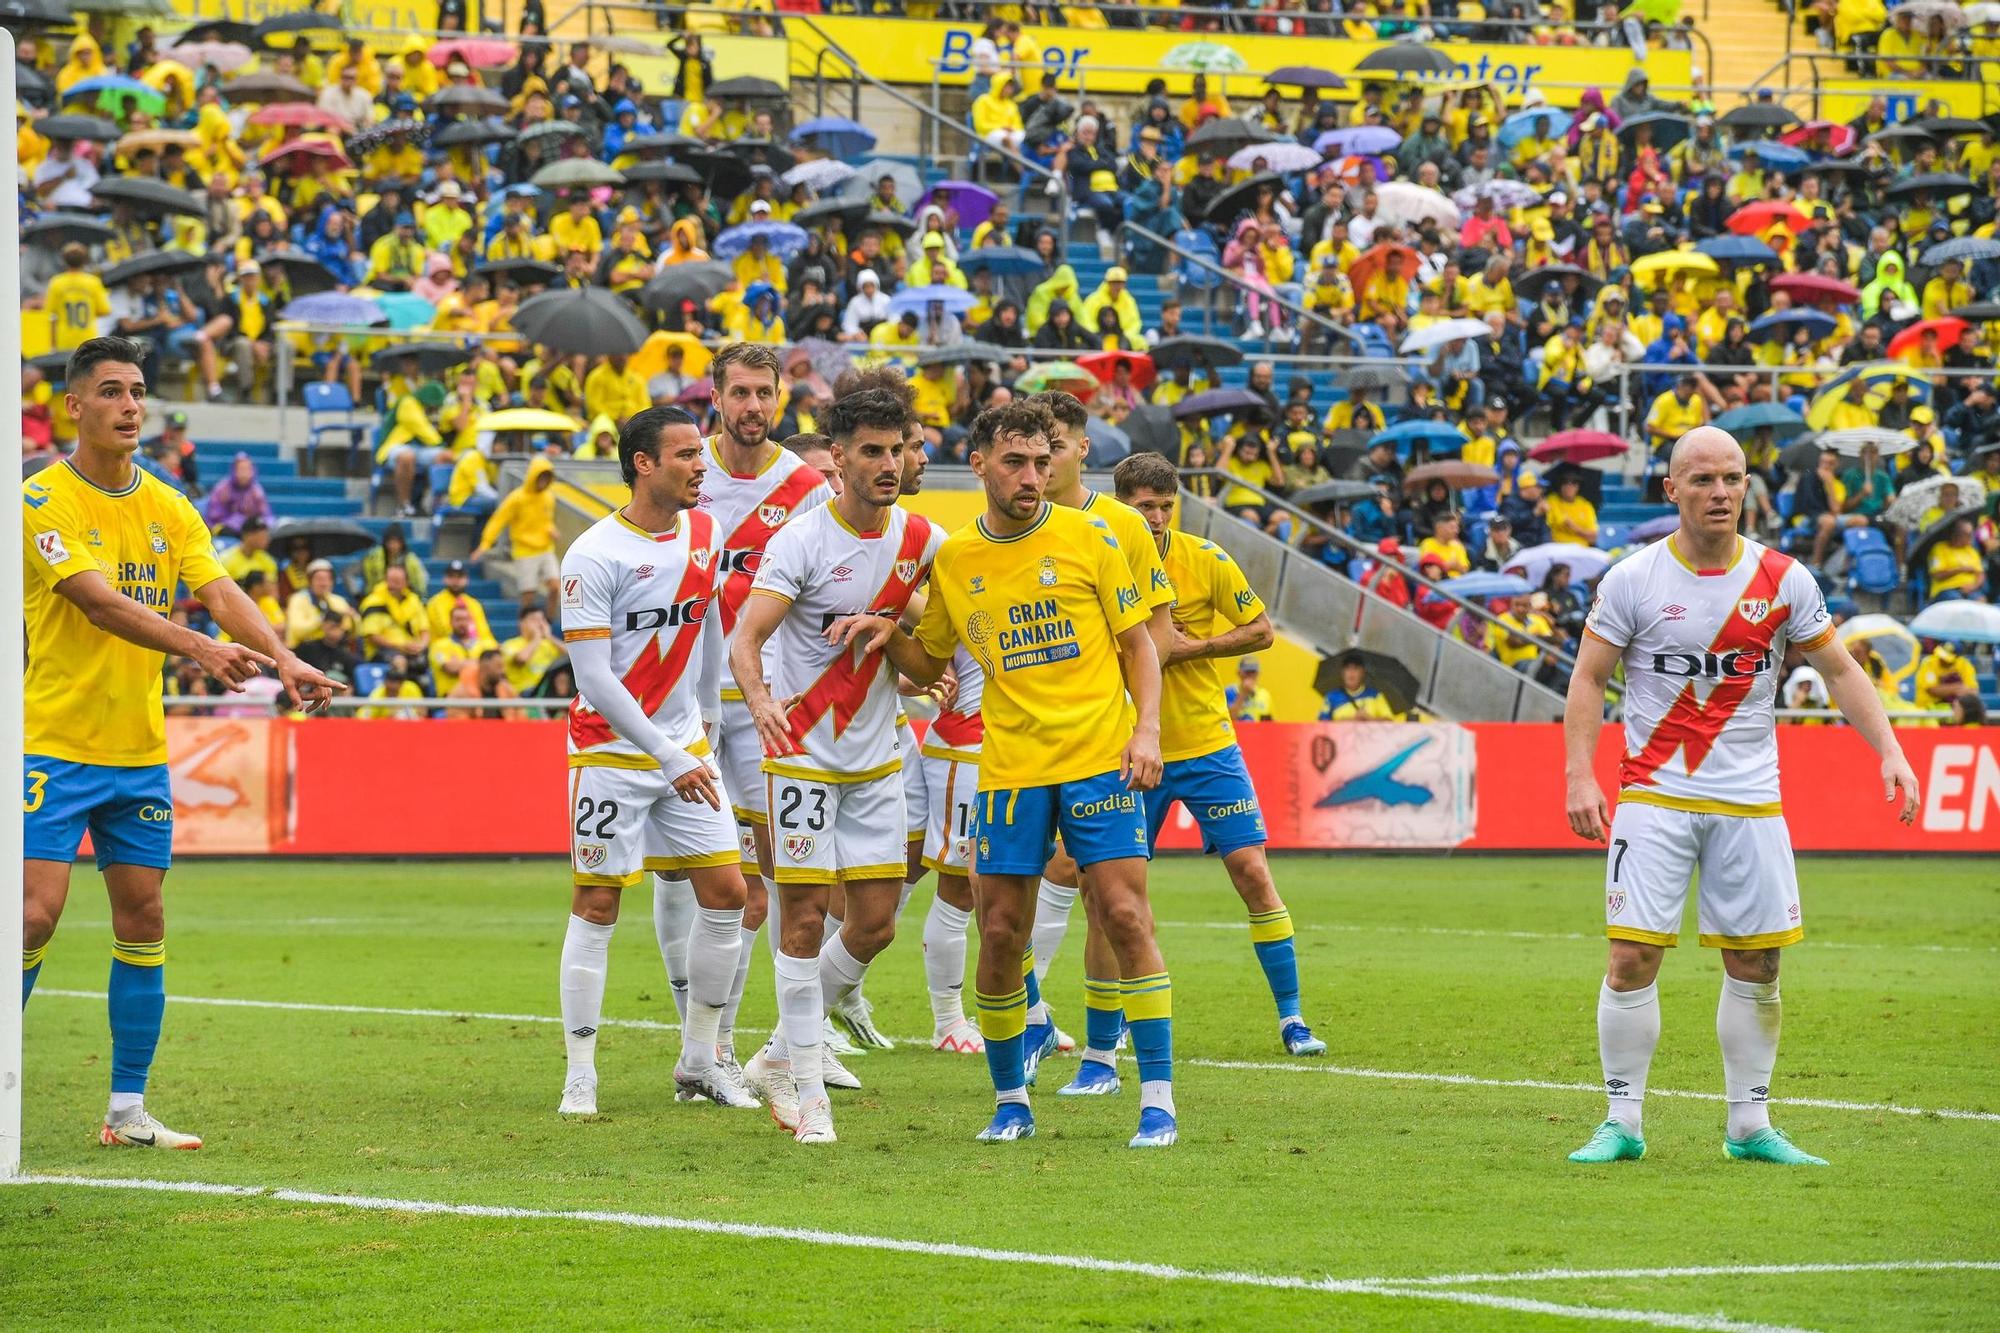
(1578, 446)
(1948, 330)
(1756, 219)
(1375, 260)
(478, 52)
(1102, 364)
(1816, 287)
(300, 116)
(1839, 138)
(308, 148)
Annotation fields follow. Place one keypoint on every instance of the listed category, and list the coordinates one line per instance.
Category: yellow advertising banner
(385, 23)
(1118, 60)
(1844, 99)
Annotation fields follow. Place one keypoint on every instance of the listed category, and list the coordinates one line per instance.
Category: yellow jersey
(75, 300)
(1041, 610)
(1210, 593)
(1572, 521)
(90, 697)
(1136, 544)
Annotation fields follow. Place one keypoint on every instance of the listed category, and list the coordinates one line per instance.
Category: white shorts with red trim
(627, 821)
(825, 832)
(1749, 896)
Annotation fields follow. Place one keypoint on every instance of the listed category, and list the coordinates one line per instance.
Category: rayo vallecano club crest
(906, 571)
(798, 846)
(772, 515)
(1754, 609)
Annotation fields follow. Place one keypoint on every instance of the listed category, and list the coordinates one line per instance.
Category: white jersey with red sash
(653, 598)
(748, 508)
(958, 730)
(845, 717)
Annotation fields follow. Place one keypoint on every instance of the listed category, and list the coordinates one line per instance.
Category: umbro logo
(642, 573)
(1674, 612)
(842, 573)
(1616, 1084)
(583, 1032)
(1760, 1094)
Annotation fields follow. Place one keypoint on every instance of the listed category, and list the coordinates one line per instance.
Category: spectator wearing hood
(526, 518)
(1888, 289)
(1061, 331)
(758, 317)
(865, 309)
(996, 117)
(1113, 294)
(237, 498)
(1636, 97)
(1004, 329)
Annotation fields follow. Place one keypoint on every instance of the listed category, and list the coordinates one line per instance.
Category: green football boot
(1770, 1145)
(1611, 1142)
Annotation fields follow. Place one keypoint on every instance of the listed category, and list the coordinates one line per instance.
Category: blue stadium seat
(367, 676)
(1872, 564)
(330, 411)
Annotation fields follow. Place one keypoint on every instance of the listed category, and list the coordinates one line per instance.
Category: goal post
(12, 643)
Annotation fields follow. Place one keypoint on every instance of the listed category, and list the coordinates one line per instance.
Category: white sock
(944, 962)
(840, 972)
(829, 928)
(725, 1031)
(673, 917)
(1018, 1096)
(1157, 1092)
(1747, 1019)
(1052, 906)
(124, 1106)
(713, 948)
(1628, 1028)
(585, 955)
(903, 898)
(799, 1018)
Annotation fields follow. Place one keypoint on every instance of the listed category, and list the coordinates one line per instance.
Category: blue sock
(1002, 1020)
(1103, 1014)
(1149, 1012)
(1277, 954)
(137, 1002)
(1030, 980)
(31, 967)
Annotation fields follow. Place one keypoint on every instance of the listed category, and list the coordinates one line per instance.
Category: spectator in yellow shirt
(1444, 548)
(613, 390)
(527, 518)
(531, 653)
(438, 609)
(1248, 700)
(315, 607)
(251, 554)
(1901, 49)
(1572, 518)
(1947, 291)
(413, 442)
(1958, 567)
(393, 618)
(75, 299)
(1675, 413)
(1942, 676)
(397, 259)
(576, 228)
(456, 655)
(1513, 638)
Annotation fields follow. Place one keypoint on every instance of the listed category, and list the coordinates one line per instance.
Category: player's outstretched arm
(1854, 695)
(1250, 637)
(1583, 720)
(235, 612)
(590, 660)
(113, 612)
(1140, 765)
(879, 634)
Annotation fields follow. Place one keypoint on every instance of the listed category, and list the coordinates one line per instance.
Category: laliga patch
(572, 588)
(50, 544)
(798, 846)
(1614, 901)
(590, 855)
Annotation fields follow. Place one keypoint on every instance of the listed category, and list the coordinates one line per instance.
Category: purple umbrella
(972, 203)
(1358, 140)
(1217, 401)
(1653, 529)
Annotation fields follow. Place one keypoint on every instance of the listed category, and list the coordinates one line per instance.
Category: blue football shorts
(1099, 820)
(128, 811)
(1216, 790)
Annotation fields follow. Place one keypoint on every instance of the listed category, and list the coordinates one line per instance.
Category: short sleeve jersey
(748, 508)
(1210, 593)
(1135, 542)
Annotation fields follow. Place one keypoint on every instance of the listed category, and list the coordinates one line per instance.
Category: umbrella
(533, 419)
(1331, 493)
(1978, 311)
(761, 153)
(522, 272)
(1923, 11)
(1199, 353)
(1304, 76)
(955, 300)
(1506, 195)
(1816, 287)
(847, 212)
(1948, 330)
(405, 310)
(58, 229)
(1206, 57)
(108, 88)
(471, 134)
(1772, 154)
(1839, 138)
(1909, 132)
(587, 321)
(964, 354)
(218, 30)
(297, 115)
(330, 538)
(1736, 250)
(335, 308)
(973, 203)
(1002, 261)
(166, 263)
(468, 97)
(1459, 476)
(1965, 249)
(1535, 281)
(431, 358)
(1374, 260)
(1224, 135)
(1578, 446)
(744, 85)
(1367, 378)
(1758, 116)
(1433, 336)
(1668, 128)
(1241, 197)
(73, 127)
(1653, 529)
(1397, 682)
(324, 150)
(1284, 157)
(1958, 622)
(1876, 375)
(870, 173)
(1405, 58)
(1216, 402)
(149, 195)
(31, 84)
(697, 282)
(223, 57)
(1668, 262)
(1801, 456)
(303, 275)
(1108, 443)
(1103, 364)
(297, 21)
(664, 143)
(554, 129)
(1406, 435)
(1153, 430)
(1919, 497)
(576, 173)
(1358, 140)
(654, 169)
(1585, 562)
(476, 52)
(1544, 122)
(22, 12)
(266, 88)
(1849, 443)
(1782, 324)
(1481, 584)
(817, 176)
(835, 135)
(1952, 127)
(1406, 203)
(1781, 421)
(784, 239)
(1945, 183)
(1046, 375)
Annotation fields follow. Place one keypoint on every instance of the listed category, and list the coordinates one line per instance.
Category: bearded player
(1700, 622)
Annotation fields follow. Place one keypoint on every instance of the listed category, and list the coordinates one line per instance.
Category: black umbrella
(1759, 116)
(433, 358)
(299, 20)
(1801, 456)
(1537, 280)
(656, 169)
(1908, 131)
(1241, 197)
(1397, 682)
(554, 129)
(523, 272)
(31, 84)
(1218, 401)
(266, 88)
(55, 229)
(76, 127)
(762, 153)
(663, 143)
(1201, 353)
(744, 85)
(1944, 183)
(471, 133)
(964, 354)
(149, 195)
(21, 13)
(1979, 312)
(1332, 492)
(331, 538)
(846, 211)
(883, 219)
(467, 97)
(1372, 378)
(725, 174)
(576, 173)
(1668, 128)
(53, 365)
(303, 274)
(695, 282)
(586, 321)
(1152, 430)
(1225, 134)
(1108, 443)
(1951, 127)
(1304, 76)
(163, 262)
(216, 30)
(1405, 58)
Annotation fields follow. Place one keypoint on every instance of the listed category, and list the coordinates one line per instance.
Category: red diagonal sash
(754, 534)
(1695, 724)
(656, 671)
(843, 687)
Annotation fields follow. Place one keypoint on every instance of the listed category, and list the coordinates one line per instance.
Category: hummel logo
(1674, 612)
(583, 1032)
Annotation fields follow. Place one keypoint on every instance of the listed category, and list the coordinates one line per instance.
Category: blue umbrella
(1737, 250)
(1781, 324)
(335, 308)
(405, 311)
(955, 300)
(1772, 154)
(1002, 261)
(110, 83)
(1783, 422)
(784, 239)
(836, 135)
(1488, 584)
(1358, 141)
(1407, 435)
(1550, 121)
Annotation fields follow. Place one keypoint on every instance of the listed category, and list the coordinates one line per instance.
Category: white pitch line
(936, 1249)
(1702, 1270)
(1563, 936)
(1237, 1066)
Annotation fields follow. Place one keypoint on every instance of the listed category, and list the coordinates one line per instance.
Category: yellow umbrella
(528, 418)
(156, 140)
(1877, 375)
(651, 358)
(1673, 261)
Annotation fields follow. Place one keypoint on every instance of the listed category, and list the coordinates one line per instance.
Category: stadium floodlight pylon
(12, 645)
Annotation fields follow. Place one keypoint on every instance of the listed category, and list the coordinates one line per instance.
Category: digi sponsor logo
(688, 612)
(1736, 663)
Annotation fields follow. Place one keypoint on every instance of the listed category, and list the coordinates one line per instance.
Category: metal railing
(238, 706)
(1286, 304)
(1838, 66)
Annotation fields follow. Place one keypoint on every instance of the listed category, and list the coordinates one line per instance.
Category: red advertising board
(387, 788)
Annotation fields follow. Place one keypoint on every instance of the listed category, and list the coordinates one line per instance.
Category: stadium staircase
(1748, 38)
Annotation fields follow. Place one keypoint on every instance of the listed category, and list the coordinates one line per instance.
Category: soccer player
(106, 545)
(1204, 768)
(833, 766)
(1042, 597)
(1700, 623)
(637, 591)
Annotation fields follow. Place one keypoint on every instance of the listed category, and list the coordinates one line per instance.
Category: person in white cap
(867, 308)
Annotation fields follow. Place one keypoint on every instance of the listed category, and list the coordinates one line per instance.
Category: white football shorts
(951, 793)
(833, 832)
(916, 800)
(1749, 895)
(627, 821)
(739, 755)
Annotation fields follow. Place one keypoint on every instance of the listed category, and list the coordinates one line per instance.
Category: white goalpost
(12, 642)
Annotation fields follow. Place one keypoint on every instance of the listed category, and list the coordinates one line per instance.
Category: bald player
(1700, 622)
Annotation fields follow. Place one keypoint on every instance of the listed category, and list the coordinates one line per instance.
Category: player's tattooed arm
(1253, 637)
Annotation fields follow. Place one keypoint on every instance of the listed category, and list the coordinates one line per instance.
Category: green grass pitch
(1318, 1194)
